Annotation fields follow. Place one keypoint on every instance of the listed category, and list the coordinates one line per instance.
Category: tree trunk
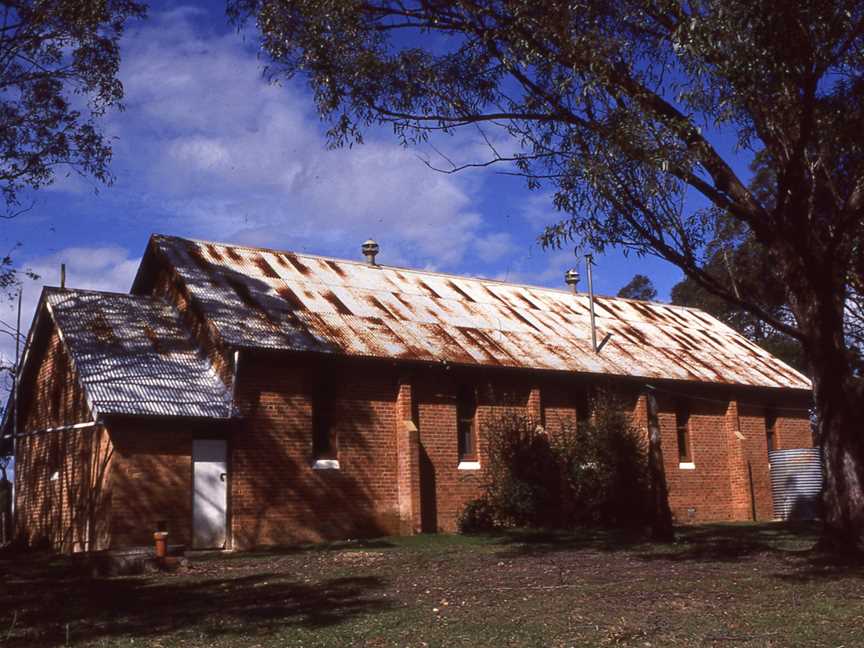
(661, 519)
(839, 406)
(839, 433)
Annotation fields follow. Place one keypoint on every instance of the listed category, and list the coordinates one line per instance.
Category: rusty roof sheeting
(134, 356)
(271, 299)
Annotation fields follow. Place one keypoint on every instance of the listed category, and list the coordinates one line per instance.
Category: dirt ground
(720, 585)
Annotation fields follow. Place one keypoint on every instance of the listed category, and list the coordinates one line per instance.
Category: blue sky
(206, 148)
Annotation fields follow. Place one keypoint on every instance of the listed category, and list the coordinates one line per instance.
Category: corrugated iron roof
(135, 357)
(271, 299)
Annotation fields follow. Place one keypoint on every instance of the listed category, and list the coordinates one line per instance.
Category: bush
(478, 516)
(522, 483)
(591, 473)
(604, 468)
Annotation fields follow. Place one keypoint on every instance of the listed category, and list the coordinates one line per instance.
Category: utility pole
(15, 375)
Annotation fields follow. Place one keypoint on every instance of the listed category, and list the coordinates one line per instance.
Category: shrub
(591, 473)
(605, 469)
(478, 516)
(522, 475)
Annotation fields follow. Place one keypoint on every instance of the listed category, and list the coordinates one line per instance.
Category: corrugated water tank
(796, 483)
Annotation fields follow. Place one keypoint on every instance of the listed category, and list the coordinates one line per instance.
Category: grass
(719, 585)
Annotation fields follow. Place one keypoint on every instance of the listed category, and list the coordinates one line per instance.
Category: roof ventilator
(571, 278)
(370, 251)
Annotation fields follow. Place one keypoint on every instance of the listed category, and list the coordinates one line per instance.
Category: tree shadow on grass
(732, 542)
(274, 551)
(537, 542)
(815, 565)
(142, 607)
(790, 544)
(708, 541)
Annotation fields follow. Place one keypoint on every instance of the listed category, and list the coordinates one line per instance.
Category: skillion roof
(134, 357)
(262, 298)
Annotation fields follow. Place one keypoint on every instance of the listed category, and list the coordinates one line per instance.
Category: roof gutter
(61, 428)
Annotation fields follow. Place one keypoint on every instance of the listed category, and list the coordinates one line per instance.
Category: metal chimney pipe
(589, 261)
(370, 250)
(571, 278)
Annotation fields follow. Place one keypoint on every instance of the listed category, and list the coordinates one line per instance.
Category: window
(466, 411)
(682, 427)
(323, 439)
(583, 405)
(771, 430)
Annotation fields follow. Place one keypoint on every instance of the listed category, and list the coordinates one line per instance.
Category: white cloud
(207, 140)
(94, 268)
(538, 209)
(493, 247)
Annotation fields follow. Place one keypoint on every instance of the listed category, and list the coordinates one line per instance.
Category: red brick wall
(60, 475)
(151, 479)
(754, 466)
(51, 394)
(559, 407)
(731, 478)
(445, 488)
(62, 491)
(407, 458)
(702, 493)
(793, 430)
(276, 494)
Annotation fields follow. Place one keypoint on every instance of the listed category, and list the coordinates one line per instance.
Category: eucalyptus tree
(635, 112)
(58, 73)
(639, 287)
(746, 268)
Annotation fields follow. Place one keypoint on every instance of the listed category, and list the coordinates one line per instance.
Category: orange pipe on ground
(161, 538)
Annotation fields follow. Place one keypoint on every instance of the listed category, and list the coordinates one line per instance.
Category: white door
(210, 499)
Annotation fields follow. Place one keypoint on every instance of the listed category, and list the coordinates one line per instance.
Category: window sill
(325, 464)
(687, 465)
(468, 465)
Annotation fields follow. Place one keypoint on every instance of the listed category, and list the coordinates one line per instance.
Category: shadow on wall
(152, 480)
(428, 494)
(279, 497)
(801, 508)
(66, 479)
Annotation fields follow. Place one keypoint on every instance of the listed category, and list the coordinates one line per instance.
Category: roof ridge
(450, 275)
(93, 291)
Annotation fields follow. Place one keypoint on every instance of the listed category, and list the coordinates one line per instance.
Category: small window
(323, 439)
(466, 411)
(682, 427)
(771, 430)
(583, 406)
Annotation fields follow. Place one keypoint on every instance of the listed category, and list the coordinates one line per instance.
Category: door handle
(222, 476)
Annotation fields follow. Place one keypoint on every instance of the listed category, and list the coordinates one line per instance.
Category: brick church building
(240, 396)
